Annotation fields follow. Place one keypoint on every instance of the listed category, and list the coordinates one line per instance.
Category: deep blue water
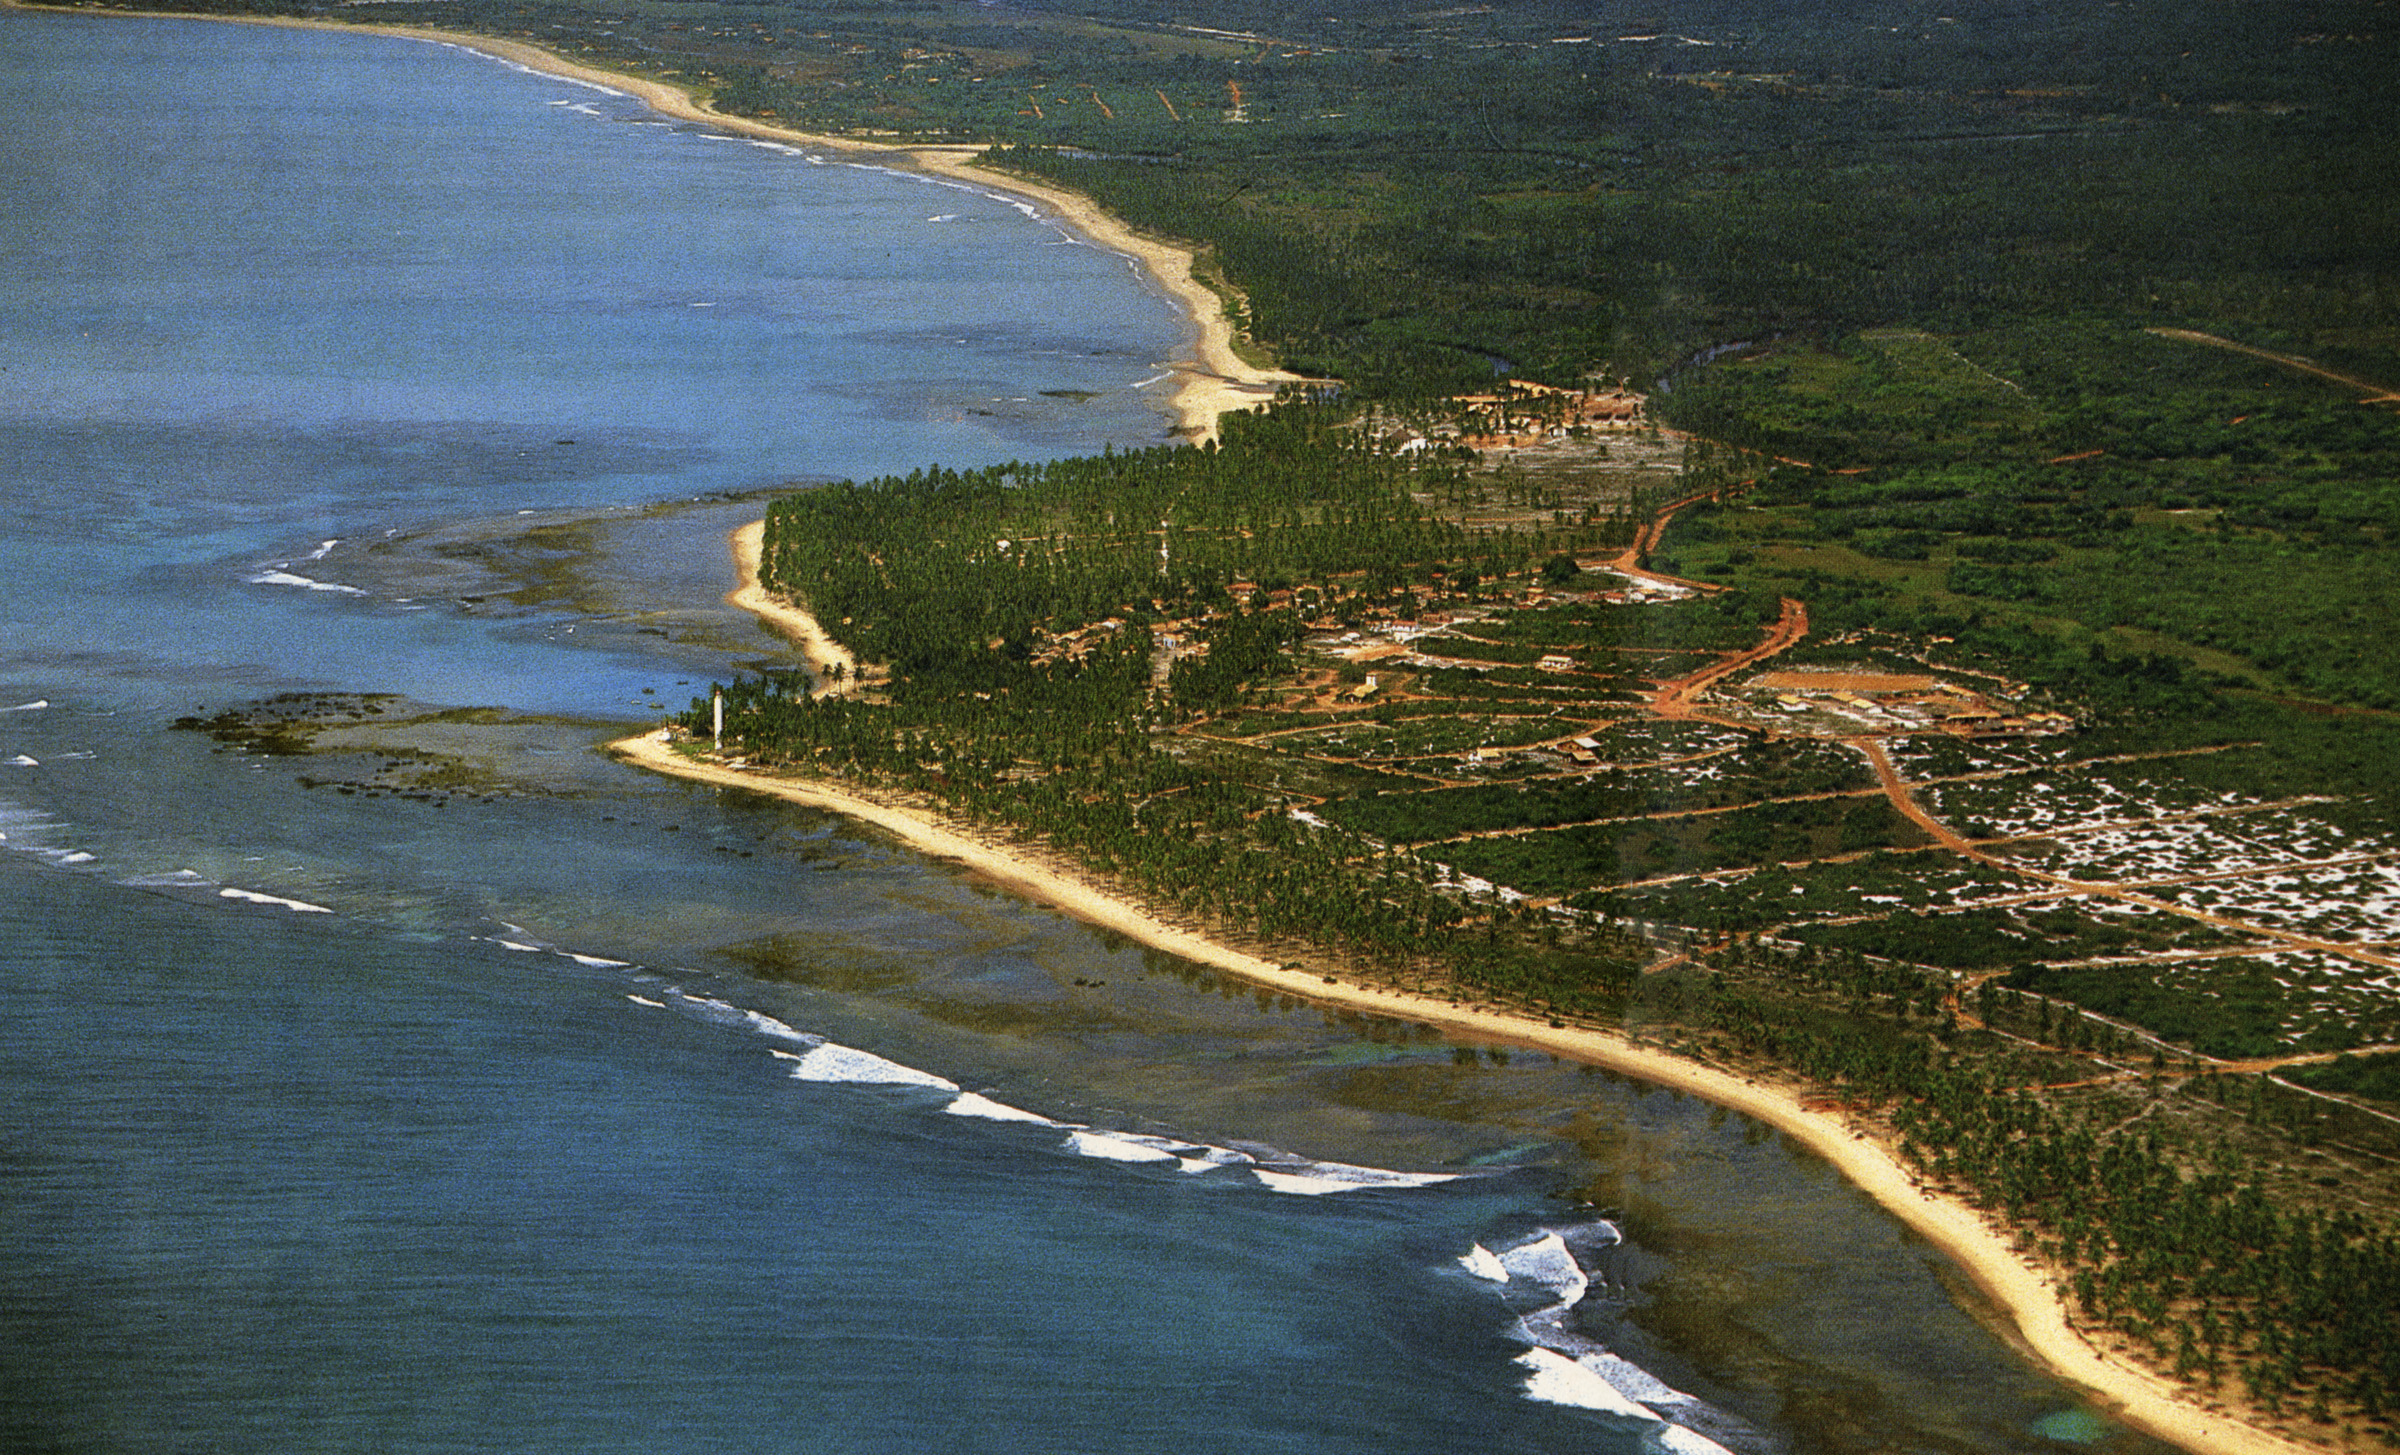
(517, 1117)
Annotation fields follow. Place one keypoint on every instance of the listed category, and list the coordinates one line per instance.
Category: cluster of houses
(1527, 413)
(1851, 702)
(1076, 645)
(1522, 413)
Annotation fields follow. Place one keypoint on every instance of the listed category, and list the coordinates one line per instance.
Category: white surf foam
(767, 1025)
(1317, 1179)
(24, 760)
(34, 706)
(1173, 1145)
(1635, 1382)
(826, 1061)
(1223, 1157)
(323, 550)
(525, 70)
(1546, 1263)
(1673, 1439)
(1567, 1367)
(1115, 1149)
(1189, 1157)
(1553, 1378)
(725, 1013)
(75, 856)
(971, 1104)
(829, 1062)
(274, 576)
(252, 896)
(179, 879)
(645, 1000)
(1485, 1264)
(595, 961)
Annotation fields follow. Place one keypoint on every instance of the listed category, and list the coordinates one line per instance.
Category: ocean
(455, 1088)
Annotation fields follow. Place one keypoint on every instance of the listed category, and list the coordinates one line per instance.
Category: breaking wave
(1543, 1279)
(827, 1062)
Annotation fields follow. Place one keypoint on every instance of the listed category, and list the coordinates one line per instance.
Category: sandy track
(1676, 701)
(2374, 393)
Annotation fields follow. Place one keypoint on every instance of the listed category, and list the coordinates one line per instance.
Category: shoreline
(1212, 381)
(2033, 1304)
(2029, 1300)
(817, 646)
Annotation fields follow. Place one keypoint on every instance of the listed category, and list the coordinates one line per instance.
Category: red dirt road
(1676, 699)
(1897, 791)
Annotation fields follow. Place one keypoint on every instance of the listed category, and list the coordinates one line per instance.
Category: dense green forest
(2065, 470)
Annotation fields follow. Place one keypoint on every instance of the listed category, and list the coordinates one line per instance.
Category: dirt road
(1896, 789)
(1676, 699)
(2374, 393)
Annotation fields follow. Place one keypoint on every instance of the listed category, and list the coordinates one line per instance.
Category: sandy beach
(2034, 1303)
(831, 664)
(1212, 379)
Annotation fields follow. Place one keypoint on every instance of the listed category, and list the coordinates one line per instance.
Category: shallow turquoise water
(472, 1121)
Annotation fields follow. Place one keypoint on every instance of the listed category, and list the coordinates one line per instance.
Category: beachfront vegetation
(1043, 625)
(1331, 696)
